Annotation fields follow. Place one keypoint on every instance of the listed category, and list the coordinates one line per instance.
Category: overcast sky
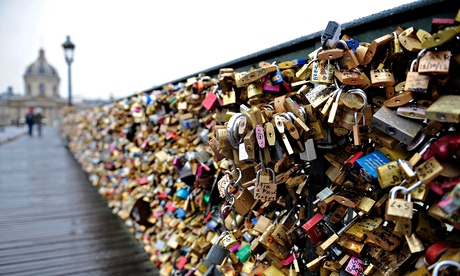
(123, 47)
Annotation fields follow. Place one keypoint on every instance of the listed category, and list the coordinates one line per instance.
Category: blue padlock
(183, 191)
(352, 44)
(180, 213)
(299, 62)
(276, 77)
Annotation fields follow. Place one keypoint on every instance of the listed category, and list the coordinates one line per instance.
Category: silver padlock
(396, 126)
(325, 193)
(309, 154)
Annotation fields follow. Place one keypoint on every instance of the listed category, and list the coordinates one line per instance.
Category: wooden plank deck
(53, 221)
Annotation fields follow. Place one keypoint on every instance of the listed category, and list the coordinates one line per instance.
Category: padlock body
(399, 210)
(322, 73)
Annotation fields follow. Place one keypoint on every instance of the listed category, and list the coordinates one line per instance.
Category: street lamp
(68, 51)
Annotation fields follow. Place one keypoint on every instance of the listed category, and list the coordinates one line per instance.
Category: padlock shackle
(266, 169)
(361, 93)
(395, 189)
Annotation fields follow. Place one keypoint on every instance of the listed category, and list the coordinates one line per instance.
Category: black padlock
(217, 253)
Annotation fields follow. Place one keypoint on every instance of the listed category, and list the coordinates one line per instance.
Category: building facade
(41, 89)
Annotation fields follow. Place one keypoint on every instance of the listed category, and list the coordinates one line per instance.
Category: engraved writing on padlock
(399, 209)
(416, 82)
(389, 175)
(265, 191)
(435, 62)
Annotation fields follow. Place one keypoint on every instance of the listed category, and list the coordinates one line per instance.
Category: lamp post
(68, 52)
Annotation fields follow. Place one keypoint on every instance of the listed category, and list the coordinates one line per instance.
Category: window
(28, 90)
(42, 89)
(54, 90)
(41, 69)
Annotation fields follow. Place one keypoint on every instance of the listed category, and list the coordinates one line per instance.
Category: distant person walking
(30, 120)
(38, 120)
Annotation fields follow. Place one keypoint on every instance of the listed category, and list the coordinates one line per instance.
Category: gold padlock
(416, 82)
(434, 62)
(381, 76)
(399, 209)
(389, 175)
(348, 60)
(264, 188)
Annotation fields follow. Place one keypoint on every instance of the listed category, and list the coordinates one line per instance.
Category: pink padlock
(355, 266)
(260, 136)
(268, 85)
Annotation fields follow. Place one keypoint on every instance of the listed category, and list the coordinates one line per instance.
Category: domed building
(41, 90)
(41, 79)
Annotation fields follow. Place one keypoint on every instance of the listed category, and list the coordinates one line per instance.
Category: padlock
(397, 52)
(360, 132)
(349, 77)
(263, 188)
(255, 89)
(322, 72)
(383, 237)
(212, 100)
(434, 62)
(398, 209)
(389, 175)
(276, 77)
(335, 105)
(446, 109)
(376, 46)
(367, 165)
(229, 240)
(244, 78)
(217, 254)
(317, 96)
(269, 86)
(409, 40)
(243, 200)
(322, 195)
(327, 244)
(348, 60)
(451, 203)
(381, 76)
(183, 192)
(416, 82)
(386, 120)
(329, 54)
(355, 266)
(414, 243)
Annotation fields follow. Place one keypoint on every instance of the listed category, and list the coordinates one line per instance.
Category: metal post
(70, 84)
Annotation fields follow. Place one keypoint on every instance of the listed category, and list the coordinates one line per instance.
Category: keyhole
(441, 116)
(391, 130)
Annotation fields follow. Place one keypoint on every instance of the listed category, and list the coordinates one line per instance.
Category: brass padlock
(255, 89)
(360, 132)
(264, 188)
(434, 62)
(381, 76)
(409, 40)
(244, 200)
(348, 60)
(389, 175)
(279, 234)
(416, 82)
(349, 77)
(399, 209)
